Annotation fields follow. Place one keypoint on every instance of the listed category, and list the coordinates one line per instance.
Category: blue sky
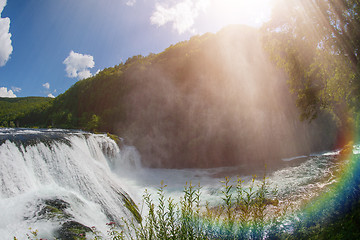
(48, 45)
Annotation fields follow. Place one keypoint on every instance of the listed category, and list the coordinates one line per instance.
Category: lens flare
(336, 199)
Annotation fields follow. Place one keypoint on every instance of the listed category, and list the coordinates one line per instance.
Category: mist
(217, 100)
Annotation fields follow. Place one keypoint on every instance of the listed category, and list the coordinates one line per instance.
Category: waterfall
(52, 177)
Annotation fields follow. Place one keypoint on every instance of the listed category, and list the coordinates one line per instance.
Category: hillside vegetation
(25, 112)
(215, 100)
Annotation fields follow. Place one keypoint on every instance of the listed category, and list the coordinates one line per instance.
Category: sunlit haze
(179, 119)
(252, 13)
(46, 46)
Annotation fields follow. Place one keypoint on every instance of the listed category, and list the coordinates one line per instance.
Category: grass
(251, 212)
(242, 213)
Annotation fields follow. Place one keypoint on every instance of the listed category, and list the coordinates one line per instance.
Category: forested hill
(214, 100)
(26, 109)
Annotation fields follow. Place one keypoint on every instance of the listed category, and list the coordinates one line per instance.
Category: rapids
(52, 177)
(69, 170)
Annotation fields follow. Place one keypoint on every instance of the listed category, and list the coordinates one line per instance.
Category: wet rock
(49, 209)
(53, 208)
(71, 230)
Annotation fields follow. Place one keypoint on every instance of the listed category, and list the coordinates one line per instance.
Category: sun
(254, 12)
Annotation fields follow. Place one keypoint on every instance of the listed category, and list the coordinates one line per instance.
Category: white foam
(293, 158)
(77, 173)
(91, 172)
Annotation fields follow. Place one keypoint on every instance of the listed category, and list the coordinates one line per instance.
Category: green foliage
(93, 123)
(242, 216)
(251, 212)
(317, 44)
(132, 207)
(33, 234)
(114, 233)
(227, 198)
(185, 106)
(24, 112)
(114, 137)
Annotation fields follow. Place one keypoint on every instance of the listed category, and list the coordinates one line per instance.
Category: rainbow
(342, 196)
(332, 203)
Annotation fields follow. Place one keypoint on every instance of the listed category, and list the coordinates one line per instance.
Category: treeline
(317, 43)
(218, 99)
(24, 112)
(215, 100)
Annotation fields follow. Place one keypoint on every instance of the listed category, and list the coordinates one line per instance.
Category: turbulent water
(44, 169)
(89, 177)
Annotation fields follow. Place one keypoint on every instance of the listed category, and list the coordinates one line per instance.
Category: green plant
(241, 214)
(33, 234)
(227, 199)
(114, 233)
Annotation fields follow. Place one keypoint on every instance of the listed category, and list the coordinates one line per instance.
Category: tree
(317, 42)
(93, 123)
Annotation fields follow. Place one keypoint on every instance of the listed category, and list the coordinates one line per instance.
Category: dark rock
(71, 230)
(57, 203)
(52, 209)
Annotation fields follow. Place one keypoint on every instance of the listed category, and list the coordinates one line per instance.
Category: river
(88, 177)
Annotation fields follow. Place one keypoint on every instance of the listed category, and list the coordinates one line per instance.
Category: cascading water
(295, 181)
(53, 178)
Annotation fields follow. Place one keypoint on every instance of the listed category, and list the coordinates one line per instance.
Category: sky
(48, 45)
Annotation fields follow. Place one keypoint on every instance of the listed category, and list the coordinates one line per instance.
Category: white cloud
(2, 5)
(5, 93)
(5, 37)
(46, 85)
(15, 89)
(182, 14)
(84, 74)
(130, 3)
(77, 65)
(198, 15)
